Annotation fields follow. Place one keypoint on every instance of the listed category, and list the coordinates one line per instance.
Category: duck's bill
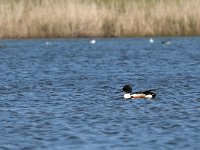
(119, 91)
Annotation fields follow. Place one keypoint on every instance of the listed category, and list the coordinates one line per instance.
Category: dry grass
(99, 18)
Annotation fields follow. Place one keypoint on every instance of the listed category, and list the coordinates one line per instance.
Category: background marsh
(98, 18)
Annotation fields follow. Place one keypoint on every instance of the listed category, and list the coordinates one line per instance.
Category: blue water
(59, 94)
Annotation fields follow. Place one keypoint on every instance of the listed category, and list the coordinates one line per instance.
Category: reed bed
(98, 18)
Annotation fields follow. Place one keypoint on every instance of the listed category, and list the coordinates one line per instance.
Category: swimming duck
(127, 89)
(166, 42)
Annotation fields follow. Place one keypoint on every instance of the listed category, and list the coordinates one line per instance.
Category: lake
(59, 94)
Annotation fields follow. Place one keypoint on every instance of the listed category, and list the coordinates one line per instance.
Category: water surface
(60, 94)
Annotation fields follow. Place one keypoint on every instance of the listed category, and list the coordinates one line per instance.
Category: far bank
(98, 18)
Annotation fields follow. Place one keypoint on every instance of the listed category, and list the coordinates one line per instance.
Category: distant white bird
(151, 40)
(93, 41)
(48, 43)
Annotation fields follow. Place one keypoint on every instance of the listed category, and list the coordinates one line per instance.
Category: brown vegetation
(98, 18)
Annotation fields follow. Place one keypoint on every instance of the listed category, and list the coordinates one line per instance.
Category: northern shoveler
(127, 89)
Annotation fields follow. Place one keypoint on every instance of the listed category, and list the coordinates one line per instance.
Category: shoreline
(96, 38)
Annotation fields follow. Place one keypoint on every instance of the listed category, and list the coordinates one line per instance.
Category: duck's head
(126, 89)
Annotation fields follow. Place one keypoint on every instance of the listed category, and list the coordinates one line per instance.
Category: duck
(129, 94)
(166, 42)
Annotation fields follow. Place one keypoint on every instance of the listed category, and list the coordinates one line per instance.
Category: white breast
(127, 95)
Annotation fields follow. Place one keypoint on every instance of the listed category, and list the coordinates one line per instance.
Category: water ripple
(63, 96)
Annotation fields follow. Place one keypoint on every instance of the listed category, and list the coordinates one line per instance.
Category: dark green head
(127, 88)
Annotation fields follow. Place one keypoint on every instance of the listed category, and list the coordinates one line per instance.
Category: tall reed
(98, 18)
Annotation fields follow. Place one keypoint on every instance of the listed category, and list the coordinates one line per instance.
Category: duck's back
(147, 92)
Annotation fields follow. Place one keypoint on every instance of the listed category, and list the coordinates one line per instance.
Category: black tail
(153, 93)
